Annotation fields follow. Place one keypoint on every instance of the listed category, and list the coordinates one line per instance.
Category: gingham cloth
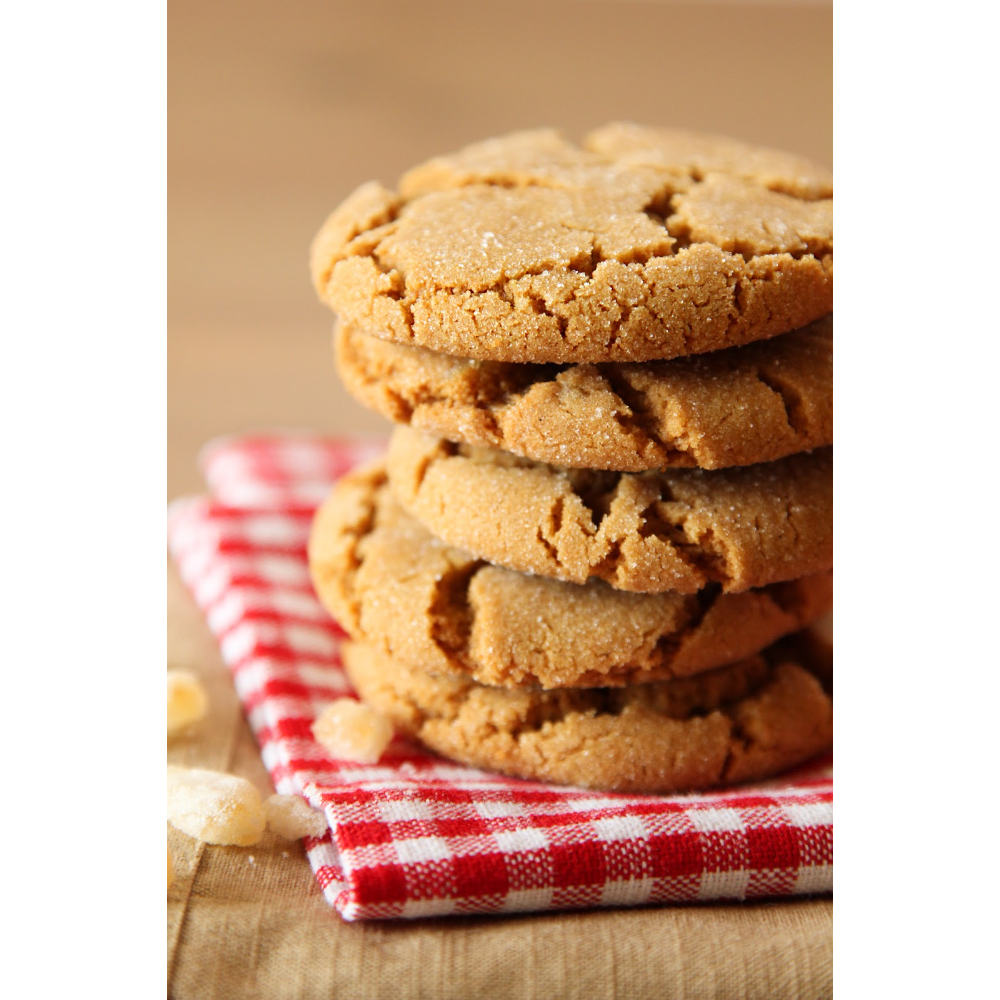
(415, 835)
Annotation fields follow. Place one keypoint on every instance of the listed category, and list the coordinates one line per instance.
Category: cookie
(739, 723)
(736, 407)
(528, 248)
(392, 584)
(647, 532)
(698, 154)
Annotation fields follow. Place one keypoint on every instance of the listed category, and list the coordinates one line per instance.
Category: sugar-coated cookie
(649, 244)
(649, 532)
(735, 407)
(738, 723)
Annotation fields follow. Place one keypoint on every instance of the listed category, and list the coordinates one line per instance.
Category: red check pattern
(418, 836)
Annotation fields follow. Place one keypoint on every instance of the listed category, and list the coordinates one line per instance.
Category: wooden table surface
(276, 112)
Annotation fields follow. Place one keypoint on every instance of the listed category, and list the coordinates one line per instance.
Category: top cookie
(646, 244)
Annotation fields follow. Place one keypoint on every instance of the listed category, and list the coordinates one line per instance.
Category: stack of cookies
(602, 532)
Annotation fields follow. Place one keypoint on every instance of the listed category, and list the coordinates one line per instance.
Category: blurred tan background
(277, 111)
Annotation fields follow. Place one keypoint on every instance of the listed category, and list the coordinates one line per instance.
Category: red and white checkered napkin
(416, 835)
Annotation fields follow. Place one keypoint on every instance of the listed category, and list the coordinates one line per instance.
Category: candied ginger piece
(213, 807)
(186, 700)
(170, 868)
(351, 730)
(293, 818)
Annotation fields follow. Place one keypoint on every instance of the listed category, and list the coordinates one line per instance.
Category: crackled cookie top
(736, 407)
(648, 532)
(392, 584)
(738, 723)
(697, 155)
(528, 248)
